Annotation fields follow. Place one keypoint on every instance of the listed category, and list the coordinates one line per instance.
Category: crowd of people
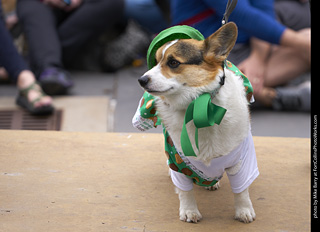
(273, 47)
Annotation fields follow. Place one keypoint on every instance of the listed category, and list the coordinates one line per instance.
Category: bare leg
(188, 206)
(286, 63)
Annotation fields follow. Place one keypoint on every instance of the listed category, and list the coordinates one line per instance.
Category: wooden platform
(76, 181)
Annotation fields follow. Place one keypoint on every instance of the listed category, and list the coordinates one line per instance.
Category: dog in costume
(201, 100)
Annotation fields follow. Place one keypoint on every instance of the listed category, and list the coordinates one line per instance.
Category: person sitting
(57, 30)
(269, 53)
(30, 97)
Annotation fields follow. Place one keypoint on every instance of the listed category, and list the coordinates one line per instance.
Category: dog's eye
(173, 63)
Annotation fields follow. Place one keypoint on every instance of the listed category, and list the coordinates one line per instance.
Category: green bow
(204, 114)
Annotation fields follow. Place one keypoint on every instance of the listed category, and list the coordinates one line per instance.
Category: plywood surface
(76, 181)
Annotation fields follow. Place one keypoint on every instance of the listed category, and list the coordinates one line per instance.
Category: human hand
(298, 40)
(254, 69)
(73, 5)
(55, 3)
(11, 20)
(305, 35)
(62, 5)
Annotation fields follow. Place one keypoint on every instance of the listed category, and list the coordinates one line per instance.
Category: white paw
(190, 215)
(214, 187)
(245, 214)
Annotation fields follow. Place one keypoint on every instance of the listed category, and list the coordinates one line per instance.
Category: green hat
(170, 34)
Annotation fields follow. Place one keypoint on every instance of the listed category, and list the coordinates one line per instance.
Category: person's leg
(39, 24)
(91, 19)
(286, 64)
(17, 70)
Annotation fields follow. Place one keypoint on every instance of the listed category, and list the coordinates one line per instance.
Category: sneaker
(296, 98)
(55, 81)
(125, 48)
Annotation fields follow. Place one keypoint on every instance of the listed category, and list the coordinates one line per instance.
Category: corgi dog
(185, 69)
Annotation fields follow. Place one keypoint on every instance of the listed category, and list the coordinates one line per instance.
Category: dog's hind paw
(245, 215)
(214, 187)
(190, 215)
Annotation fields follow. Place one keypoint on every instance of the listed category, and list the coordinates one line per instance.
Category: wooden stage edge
(77, 181)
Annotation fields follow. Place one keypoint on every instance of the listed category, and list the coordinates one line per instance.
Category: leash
(230, 7)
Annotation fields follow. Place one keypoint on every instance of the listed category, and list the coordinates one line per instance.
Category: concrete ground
(123, 93)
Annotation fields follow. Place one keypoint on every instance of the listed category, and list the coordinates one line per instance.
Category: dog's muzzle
(144, 80)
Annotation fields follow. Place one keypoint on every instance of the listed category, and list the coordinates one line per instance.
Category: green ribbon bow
(204, 114)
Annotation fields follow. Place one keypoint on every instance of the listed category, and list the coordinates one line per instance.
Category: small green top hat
(170, 34)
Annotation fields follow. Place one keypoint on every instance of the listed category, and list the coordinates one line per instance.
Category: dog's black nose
(144, 80)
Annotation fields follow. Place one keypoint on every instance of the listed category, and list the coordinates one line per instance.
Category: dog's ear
(219, 44)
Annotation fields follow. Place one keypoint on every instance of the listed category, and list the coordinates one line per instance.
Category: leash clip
(230, 7)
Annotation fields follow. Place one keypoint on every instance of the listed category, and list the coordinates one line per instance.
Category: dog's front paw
(245, 214)
(214, 187)
(190, 215)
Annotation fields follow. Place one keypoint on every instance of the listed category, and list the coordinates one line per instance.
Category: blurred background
(100, 53)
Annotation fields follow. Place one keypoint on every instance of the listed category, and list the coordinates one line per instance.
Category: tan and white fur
(185, 69)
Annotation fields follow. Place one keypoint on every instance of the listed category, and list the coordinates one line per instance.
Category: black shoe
(55, 81)
(296, 98)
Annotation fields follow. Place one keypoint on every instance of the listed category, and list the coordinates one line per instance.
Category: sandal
(22, 100)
